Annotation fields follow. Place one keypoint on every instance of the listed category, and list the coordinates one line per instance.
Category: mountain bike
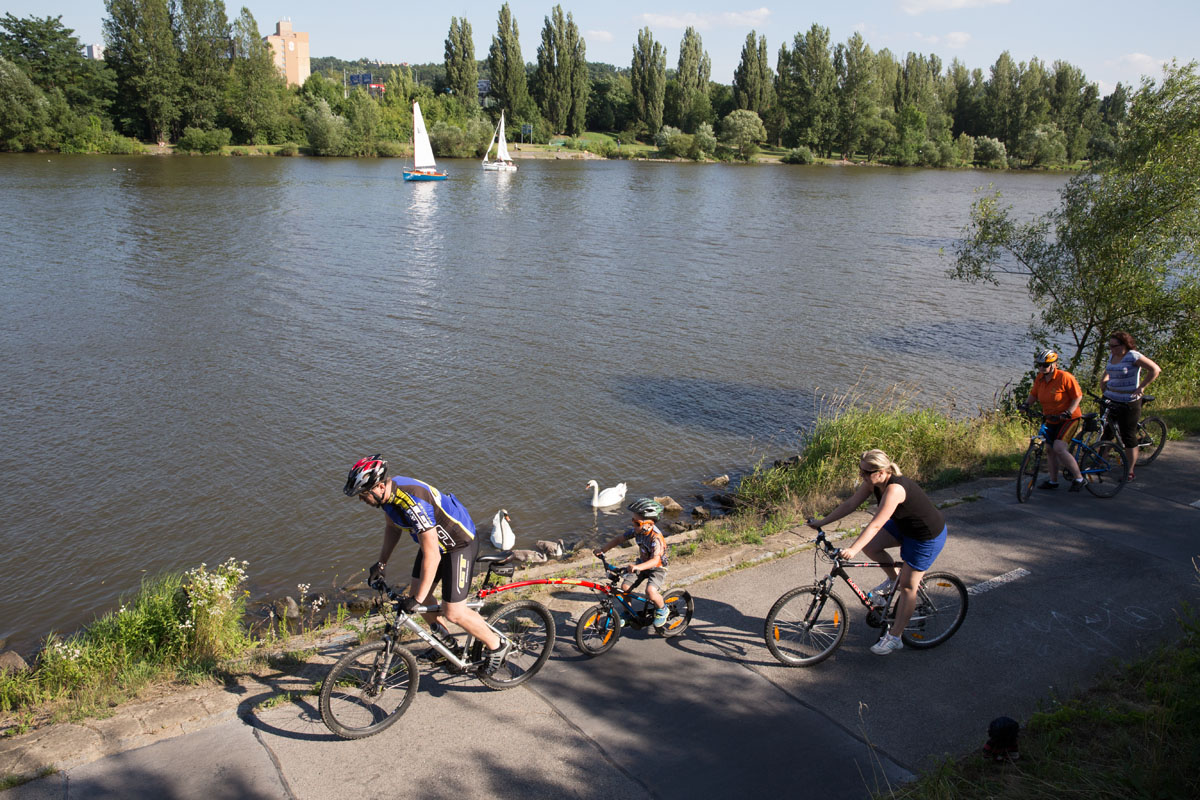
(807, 624)
(371, 687)
(1103, 465)
(1151, 431)
(599, 626)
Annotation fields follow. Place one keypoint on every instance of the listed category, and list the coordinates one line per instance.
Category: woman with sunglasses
(1127, 373)
(906, 518)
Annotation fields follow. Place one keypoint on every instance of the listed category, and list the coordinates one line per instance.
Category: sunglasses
(867, 472)
(1043, 365)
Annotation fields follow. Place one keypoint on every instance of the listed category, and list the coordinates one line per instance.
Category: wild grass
(1181, 421)
(175, 626)
(1135, 733)
(930, 446)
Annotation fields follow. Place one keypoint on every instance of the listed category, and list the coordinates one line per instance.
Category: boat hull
(424, 176)
(499, 166)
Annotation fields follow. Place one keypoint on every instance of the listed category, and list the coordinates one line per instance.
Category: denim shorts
(917, 553)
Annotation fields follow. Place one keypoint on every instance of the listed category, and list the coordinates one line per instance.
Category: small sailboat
(424, 167)
(503, 162)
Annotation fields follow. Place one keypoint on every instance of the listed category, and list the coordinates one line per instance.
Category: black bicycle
(599, 626)
(807, 624)
(1151, 431)
(371, 687)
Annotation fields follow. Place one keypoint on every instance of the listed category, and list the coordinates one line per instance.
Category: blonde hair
(877, 460)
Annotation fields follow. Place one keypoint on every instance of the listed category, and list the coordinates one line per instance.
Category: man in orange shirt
(1059, 394)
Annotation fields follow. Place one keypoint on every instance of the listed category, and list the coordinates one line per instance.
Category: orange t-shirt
(1057, 393)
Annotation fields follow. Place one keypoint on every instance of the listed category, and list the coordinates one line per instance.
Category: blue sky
(1110, 40)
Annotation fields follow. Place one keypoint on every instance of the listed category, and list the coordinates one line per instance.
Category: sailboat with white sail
(424, 168)
(503, 162)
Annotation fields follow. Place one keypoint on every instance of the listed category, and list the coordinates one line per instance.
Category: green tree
(910, 136)
(52, 57)
(1003, 101)
(326, 130)
(510, 87)
(254, 103)
(855, 68)
(693, 73)
(462, 71)
(1122, 250)
(648, 77)
(141, 50)
(743, 130)
(561, 80)
(362, 124)
(813, 116)
(205, 41)
(610, 104)
(23, 108)
(704, 142)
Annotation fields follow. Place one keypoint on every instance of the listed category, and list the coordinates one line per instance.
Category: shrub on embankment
(175, 624)
(930, 446)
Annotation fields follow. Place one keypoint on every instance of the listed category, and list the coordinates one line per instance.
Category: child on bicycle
(652, 553)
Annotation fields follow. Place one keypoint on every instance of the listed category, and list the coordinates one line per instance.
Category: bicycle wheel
(597, 630)
(940, 610)
(530, 628)
(680, 604)
(1104, 467)
(1030, 464)
(1152, 435)
(359, 699)
(805, 626)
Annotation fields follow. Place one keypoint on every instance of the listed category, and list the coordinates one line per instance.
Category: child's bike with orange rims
(599, 627)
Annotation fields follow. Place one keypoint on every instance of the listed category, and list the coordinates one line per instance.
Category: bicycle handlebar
(380, 586)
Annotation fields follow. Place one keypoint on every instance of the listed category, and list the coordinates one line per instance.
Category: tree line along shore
(186, 74)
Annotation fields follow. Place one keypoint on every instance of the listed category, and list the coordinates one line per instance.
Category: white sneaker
(886, 644)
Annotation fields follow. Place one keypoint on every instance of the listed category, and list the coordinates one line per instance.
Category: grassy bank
(175, 627)
(1135, 733)
(933, 448)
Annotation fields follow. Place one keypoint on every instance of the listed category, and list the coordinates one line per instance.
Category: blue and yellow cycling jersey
(416, 506)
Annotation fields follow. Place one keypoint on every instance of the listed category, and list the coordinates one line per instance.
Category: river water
(195, 349)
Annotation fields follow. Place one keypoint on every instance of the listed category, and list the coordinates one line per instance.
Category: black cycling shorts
(454, 572)
(1124, 417)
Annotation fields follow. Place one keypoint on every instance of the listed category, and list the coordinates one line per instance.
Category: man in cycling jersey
(445, 536)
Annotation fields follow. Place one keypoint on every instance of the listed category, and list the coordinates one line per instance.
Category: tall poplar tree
(855, 68)
(561, 82)
(753, 80)
(693, 73)
(205, 42)
(141, 50)
(254, 103)
(509, 85)
(648, 74)
(814, 113)
(462, 71)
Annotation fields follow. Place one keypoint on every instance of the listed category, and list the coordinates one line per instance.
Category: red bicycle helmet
(365, 474)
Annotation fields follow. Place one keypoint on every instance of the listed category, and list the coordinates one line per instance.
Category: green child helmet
(646, 507)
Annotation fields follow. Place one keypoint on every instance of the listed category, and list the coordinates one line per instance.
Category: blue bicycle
(1102, 464)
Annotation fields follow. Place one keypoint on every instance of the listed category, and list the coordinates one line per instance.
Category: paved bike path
(711, 713)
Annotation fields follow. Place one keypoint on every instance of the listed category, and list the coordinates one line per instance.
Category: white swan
(503, 537)
(609, 497)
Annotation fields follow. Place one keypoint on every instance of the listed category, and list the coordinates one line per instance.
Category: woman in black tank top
(906, 518)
